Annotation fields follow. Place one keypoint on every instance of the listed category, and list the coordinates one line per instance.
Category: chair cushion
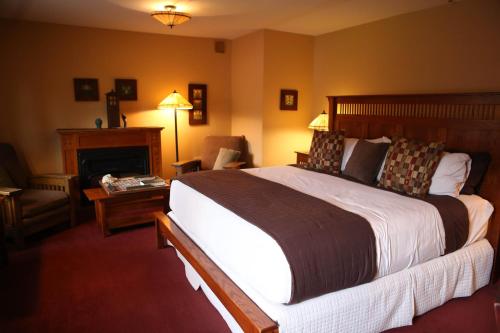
(212, 145)
(34, 202)
(226, 156)
(9, 160)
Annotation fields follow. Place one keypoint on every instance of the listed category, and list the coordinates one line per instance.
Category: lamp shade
(320, 123)
(175, 101)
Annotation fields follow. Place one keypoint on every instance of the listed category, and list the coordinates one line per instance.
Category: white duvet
(408, 231)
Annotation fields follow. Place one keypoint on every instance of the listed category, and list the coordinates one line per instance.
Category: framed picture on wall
(197, 95)
(86, 89)
(289, 99)
(126, 89)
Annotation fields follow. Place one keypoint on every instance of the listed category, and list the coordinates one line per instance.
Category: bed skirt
(388, 302)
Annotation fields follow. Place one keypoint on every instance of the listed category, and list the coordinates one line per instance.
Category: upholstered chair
(210, 151)
(32, 203)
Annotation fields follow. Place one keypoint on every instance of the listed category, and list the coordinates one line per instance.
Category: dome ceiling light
(170, 17)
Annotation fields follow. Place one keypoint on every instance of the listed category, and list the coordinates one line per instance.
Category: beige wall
(288, 64)
(247, 77)
(39, 61)
(452, 48)
(262, 63)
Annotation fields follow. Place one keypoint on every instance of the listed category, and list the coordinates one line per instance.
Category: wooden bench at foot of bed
(248, 315)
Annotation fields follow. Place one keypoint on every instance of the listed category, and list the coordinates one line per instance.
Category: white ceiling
(215, 18)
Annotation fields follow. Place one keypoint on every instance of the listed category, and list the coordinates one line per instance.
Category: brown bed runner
(327, 248)
(455, 219)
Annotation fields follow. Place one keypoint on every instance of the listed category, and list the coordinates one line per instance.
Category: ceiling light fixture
(170, 17)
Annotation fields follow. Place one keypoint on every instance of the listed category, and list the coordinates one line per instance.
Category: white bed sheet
(388, 302)
(243, 251)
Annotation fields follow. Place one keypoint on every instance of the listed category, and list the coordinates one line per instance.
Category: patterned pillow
(327, 149)
(409, 166)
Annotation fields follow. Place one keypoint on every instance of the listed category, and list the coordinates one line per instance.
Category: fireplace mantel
(74, 139)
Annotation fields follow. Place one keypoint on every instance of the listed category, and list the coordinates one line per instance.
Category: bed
(465, 122)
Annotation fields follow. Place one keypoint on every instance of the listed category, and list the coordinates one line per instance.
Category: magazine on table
(114, 185)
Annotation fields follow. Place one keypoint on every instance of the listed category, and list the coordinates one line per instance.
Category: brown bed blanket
(327, 248)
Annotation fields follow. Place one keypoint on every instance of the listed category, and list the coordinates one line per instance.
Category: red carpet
(78, 281)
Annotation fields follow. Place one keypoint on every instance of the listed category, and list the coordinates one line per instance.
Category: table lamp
(320, 123)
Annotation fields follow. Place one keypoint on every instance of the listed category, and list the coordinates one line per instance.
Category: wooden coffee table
(127, 209)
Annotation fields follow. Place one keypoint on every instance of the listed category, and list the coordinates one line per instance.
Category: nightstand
(302, 157)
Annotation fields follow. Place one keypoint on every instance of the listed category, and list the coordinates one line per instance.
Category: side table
(127, 209)
(302, 157)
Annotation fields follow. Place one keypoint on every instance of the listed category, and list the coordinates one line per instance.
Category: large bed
(246, 275)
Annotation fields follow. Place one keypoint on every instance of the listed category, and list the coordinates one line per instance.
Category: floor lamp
(176, 102)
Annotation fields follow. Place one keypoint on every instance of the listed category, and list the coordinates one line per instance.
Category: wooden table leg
(100, 214)
(160, 240)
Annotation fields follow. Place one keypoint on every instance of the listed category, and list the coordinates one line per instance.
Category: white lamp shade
(320, 123)
(175, 101)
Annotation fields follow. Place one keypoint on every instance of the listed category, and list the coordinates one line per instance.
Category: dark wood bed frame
(464, 122)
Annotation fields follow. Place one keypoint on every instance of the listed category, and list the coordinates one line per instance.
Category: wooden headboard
(464, 122)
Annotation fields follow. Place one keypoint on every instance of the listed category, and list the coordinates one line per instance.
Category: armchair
(210, 151)
(30, 204)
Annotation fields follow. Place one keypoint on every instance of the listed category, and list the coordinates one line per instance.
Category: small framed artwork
(126, 89)
(198, 97)
(86, 89)
(289, 99)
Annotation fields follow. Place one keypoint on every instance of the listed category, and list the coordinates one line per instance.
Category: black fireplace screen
(119, 162)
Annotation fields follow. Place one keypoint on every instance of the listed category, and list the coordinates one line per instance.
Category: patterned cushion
(409, 166)
(327, 149)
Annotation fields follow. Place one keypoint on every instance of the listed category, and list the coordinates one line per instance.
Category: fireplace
(92, 153)
(119, 162)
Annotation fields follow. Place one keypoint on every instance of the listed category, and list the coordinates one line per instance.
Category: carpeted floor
(78, 281)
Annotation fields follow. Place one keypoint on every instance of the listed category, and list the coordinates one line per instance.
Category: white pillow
(450, 175)
(383, 139)
(350, 143)
(225, 156)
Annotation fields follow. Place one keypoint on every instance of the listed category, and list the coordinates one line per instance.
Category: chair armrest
(186, 166)
(186, 162)
(10, 210)
(234, 165)
(54, 182)
(53, 176)
(60, 182)
(10, 191)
